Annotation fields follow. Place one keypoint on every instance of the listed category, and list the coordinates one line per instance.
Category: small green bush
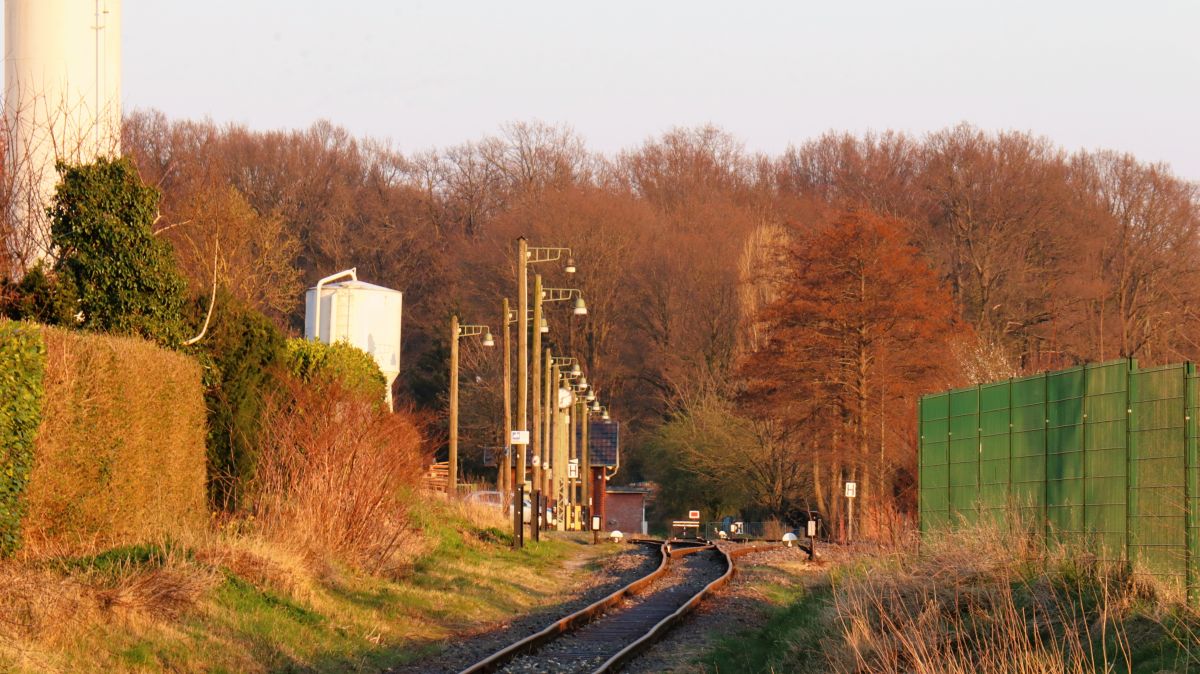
(22, 369)
(354, 368)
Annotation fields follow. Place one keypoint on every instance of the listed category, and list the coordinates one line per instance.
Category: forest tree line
(762, 325)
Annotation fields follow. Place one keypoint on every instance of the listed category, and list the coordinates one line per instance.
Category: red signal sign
(693, 514)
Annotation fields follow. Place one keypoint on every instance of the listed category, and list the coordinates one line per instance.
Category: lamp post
(555, 474)
(527, 255)
(540, 295)
(558, 376)
(572, 448)
(457, 332)
(585, 464)
(505, 480)
(545, 421)
(504, 473)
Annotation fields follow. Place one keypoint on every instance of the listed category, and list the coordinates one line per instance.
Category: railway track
(607, 634)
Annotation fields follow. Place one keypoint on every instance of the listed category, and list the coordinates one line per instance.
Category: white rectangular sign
(573, 469)
(519, 438)
(851, 489)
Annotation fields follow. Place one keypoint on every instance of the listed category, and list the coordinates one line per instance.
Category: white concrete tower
(62, 101)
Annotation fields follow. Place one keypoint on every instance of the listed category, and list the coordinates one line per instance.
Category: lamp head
(576, 371)
(591, 396)
(580, 306)
(544, 327)
(487, 339)
(570, 269)
(605, 415)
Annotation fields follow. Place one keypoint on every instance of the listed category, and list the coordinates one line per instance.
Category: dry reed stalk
(974, 602)
(334, 475)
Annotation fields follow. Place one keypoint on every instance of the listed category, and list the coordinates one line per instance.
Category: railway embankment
(229, 599)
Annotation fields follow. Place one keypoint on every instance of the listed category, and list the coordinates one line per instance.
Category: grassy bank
(231, 601)
(971, 602)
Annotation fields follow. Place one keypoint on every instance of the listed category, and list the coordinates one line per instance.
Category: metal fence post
(1191, 534)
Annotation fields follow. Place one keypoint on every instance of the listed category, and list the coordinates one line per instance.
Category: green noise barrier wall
(1103, 456)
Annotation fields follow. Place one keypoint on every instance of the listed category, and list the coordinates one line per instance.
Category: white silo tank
(362, 314)
(62, 99)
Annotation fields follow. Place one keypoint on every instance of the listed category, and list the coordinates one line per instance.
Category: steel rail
(573, 621)
(622, 657)
(669, 550)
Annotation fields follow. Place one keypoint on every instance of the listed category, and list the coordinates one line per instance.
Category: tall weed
(335, 476)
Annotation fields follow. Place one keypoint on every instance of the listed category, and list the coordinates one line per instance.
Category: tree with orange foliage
(859, 327)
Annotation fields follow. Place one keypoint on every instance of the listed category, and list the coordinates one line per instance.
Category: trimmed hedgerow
(119, 455)
(22, 369)
(354, 368)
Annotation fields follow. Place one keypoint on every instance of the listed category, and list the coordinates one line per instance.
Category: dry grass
(232, 598)
(334, 478)
(981, 600)
(44, 606)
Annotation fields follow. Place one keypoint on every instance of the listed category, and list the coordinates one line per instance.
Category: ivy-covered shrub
(22, 369)
(354, 368)
(240, 354)
(123, 276)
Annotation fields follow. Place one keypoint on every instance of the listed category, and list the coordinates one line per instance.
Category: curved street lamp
(457, 332)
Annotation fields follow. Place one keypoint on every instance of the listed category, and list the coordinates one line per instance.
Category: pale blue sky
(1122, 75)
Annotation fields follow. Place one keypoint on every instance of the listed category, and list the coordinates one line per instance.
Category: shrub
(38, 297)
(125, 278)
(240, 352)
(320, 363)
(333, 474)
(22, 369)
(119, 454)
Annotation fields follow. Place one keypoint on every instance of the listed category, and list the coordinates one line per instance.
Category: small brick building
(625, 510)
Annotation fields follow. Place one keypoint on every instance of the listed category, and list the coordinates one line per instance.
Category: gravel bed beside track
(464, 650)
(735, 607)
(591, 645)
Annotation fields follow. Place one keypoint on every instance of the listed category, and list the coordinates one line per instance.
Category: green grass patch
(789, 641)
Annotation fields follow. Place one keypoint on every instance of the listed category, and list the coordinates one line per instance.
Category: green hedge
(22, 369)
(351, 366)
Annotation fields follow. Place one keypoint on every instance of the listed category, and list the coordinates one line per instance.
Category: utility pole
(452, 468)
(585, 469)
(548, 397)
(574, 443)
(535, 435)
(558, 460)
(522, 361)
(504, 479)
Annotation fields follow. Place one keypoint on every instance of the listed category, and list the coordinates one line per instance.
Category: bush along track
(22, 368)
